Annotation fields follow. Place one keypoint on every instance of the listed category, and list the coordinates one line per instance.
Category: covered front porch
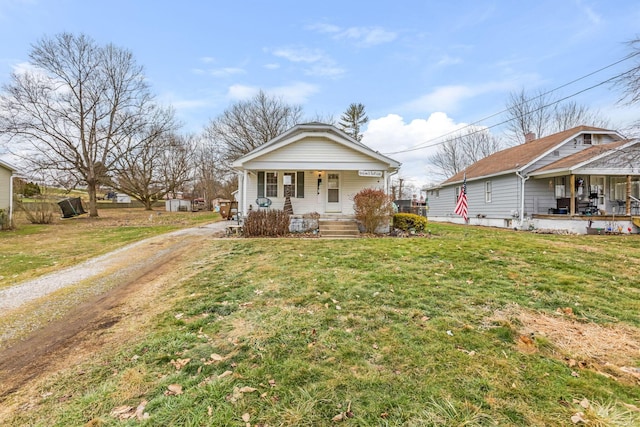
(586, 195)
(320, 191)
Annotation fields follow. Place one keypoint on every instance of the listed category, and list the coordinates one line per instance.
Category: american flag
(461, 205)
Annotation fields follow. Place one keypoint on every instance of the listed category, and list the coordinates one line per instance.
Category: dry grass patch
(610, 350)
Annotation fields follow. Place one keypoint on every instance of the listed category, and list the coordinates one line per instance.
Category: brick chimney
(529, 136)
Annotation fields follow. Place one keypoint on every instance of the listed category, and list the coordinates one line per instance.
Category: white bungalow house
(6, 190)
(320, 166)
(583, 180)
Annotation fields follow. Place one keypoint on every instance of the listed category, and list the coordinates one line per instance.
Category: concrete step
(338, 228)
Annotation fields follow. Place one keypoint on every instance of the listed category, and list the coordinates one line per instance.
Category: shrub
(5, 224)
(266, 223)
(373, 208)
(42, 212)
(409, 221)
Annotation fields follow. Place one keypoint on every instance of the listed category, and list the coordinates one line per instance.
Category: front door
(334, 198)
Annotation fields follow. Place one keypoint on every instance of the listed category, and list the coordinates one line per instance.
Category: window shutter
(260, 184)
(300, 185)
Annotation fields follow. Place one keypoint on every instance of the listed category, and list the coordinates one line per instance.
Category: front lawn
(472, 326)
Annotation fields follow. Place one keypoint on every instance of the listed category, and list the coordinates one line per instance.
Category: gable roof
(301, 131)
(518, 158)
(584, 157)
(7, 166)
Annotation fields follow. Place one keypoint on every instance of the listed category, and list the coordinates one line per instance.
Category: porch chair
(263, 202)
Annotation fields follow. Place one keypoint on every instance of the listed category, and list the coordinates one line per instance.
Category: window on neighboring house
(487, 191)
(586, 139)
(559, 187)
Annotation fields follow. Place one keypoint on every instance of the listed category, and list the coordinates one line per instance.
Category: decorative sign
(377, 174)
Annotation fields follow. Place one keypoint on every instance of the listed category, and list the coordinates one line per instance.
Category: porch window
(290, 184)
(294, 184)
(267, 184)
(559, 187)
(487, 191)
(618, 188)
(271, 188)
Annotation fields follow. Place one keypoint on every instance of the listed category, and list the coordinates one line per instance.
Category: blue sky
(421, 68)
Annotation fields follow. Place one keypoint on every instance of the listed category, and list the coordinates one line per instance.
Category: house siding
(314, 199)
(504, 199)
(539, 196)
(313, 149)
(5, 188)
(569, 148)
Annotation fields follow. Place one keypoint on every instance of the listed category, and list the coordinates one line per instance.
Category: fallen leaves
(179, 363)
(173, 390)
(343, 415)
(129, 412)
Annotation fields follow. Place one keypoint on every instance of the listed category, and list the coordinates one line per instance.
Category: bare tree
(158, 165)
(528, 114)
(458, 152)
(77, 102)
(248, 124)
(212, 179)
(542, 114)
(568, 115)
(630, 81)
(353, 119)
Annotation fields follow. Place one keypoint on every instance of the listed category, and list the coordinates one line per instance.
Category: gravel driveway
(17, 295)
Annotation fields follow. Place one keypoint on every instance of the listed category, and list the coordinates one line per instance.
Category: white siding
(5, 185)
(311, 149)
(314, 200)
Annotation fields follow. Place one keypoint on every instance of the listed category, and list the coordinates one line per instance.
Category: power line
(430, 143)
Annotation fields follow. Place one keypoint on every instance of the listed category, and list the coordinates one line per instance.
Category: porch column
(385, 180)
(627, 207)
(244, 192)
(572, 201)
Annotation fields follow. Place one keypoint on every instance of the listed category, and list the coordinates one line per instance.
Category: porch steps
(338, 228)
(636, 220)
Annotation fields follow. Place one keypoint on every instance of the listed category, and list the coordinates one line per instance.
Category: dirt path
(142, 271)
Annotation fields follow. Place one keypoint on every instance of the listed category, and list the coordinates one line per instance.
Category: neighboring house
(582, 177)
(320, 166)
(6, 188)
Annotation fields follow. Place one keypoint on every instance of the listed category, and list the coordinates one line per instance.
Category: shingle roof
(518, 157)
(582, 156)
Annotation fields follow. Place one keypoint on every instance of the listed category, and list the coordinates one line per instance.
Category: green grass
(396, 332)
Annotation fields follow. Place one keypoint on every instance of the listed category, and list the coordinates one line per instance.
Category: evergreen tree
(353, 119)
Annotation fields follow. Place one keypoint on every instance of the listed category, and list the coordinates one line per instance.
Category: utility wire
(431, 142)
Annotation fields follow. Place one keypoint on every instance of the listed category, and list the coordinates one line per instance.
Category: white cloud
(240, 92)
(300, 54)
(448, 60)
(226, 71)
(449, 98)
(207, 59)
(320, 64)
(368, 36)
(391, 134)
(272, 66)
(295, 93)
(361, 36)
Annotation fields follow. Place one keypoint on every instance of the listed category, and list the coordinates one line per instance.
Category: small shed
(177, 205)
(122, 198)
